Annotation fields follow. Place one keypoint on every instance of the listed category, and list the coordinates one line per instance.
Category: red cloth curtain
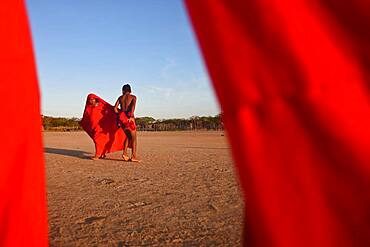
(23, 211)
(292, 78)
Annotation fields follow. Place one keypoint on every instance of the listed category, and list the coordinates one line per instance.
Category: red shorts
(125, 122)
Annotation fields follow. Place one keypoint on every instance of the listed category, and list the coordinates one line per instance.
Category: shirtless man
(125, 108)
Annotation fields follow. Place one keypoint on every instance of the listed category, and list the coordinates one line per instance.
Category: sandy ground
(184, 193)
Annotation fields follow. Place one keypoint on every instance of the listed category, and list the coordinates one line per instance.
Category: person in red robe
(99, 122)
(125, 108)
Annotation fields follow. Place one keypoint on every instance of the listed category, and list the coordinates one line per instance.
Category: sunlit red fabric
(292, 78)
(100, 123)
(126, 122)
(23, 220)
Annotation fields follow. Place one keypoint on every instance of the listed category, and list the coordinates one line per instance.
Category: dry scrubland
(184, 193)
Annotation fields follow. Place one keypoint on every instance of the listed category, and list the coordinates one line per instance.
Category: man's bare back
(126, 102)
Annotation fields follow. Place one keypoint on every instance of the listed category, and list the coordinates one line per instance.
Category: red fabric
(125, 122)
(100, 123)
(292, 78)
(23, 211)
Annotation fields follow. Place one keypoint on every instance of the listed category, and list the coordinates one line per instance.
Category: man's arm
(133, 106)
(116, 105)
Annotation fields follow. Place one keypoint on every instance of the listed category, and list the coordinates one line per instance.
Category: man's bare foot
(125, 157)
(94, 158)
(135, 159)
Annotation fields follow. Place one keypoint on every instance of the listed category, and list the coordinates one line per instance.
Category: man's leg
(125, 146)
(134, 146)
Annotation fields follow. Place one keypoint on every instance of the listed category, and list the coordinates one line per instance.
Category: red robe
(125, 122)
(100, 123)
(23, 213)
(293, 78)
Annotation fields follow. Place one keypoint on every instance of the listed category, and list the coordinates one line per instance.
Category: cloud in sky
(165, 71)
(160, 91)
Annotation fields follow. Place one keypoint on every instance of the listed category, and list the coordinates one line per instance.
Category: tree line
(143, 123)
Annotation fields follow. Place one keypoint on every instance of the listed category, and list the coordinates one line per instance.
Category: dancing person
(99, 122)
(125, 108)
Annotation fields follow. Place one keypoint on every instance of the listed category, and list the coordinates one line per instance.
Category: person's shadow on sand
(68, 152)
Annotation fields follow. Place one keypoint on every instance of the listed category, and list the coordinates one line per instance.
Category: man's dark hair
(126, 88)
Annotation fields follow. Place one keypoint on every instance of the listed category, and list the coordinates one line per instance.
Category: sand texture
(183, 193)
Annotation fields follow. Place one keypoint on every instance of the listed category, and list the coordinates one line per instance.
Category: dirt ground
(184, 193)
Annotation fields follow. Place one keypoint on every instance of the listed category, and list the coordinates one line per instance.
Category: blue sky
(96, 46)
